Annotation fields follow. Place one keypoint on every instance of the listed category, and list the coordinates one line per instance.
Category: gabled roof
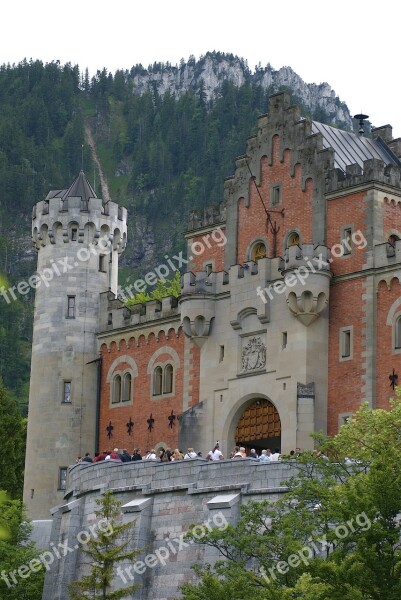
(351, 149)
(80, 188)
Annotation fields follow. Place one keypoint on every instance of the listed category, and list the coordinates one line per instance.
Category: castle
(289, 315)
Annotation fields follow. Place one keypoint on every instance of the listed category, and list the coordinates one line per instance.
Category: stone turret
(78, 238)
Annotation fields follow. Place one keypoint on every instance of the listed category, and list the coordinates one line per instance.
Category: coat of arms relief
(253, 354)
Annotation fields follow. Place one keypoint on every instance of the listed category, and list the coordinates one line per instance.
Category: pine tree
(12, 435)
(105, 550)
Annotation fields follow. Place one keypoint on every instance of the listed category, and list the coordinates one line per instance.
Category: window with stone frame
(168, 379)
(127, 387)
(117, 388)
(346, 343)
(157, 381)
(397, 333)
(62, 478)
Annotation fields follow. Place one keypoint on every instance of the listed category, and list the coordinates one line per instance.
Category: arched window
(258, 251)
(116, 389)
(157, 381)
(397, 333)
(293, 239)
(168, 379)
(127, 382)
(391, 244)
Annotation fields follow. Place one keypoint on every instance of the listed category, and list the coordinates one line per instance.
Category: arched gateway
(259, 426)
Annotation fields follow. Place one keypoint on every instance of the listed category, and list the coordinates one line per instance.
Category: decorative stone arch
(173, 360)
(287, 238)
(89, 233)
(132, 370)
(116, 239)
(241, 316)
(392, 311)
(252, 248)
(56, 235)
(72, 231)
(43, 235)
(160, 446)
(236, 412)
(394, 321)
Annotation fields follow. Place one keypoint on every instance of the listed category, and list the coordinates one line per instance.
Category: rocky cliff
(208, 73)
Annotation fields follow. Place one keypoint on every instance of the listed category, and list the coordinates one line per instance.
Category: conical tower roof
(80, 188)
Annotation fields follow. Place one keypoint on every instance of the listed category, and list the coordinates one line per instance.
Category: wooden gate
(260, 422)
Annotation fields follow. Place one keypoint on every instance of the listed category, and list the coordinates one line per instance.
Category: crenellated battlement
(78, 215)
(306, 256)
(206, 217)
(114, 314)
(373, 169)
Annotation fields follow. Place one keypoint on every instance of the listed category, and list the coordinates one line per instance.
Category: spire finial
(361, 118)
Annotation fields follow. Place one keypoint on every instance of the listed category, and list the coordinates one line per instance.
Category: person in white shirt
(190, 454)
(215, 454)
(276, 455)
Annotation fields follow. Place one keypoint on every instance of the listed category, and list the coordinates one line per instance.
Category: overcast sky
(351, 45)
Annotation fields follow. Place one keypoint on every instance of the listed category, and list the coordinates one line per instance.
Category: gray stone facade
(78, 239)
(163, 500)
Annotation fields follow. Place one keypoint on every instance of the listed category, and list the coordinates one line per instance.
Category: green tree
(12, 435)
(105, 551)
(163, 288)
(335, 535)
(21, 571)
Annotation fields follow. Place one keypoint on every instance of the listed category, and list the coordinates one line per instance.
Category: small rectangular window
(221, 355)
(74, 234)
(284, 338)
(346, 240)
(67, 392)
(343, 418)
(62, 478)
(70, 307)
(346, 343)
(102, 263)
(208, 268)
(276, 195)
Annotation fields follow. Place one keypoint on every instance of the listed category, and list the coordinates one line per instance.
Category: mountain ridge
(212, 68)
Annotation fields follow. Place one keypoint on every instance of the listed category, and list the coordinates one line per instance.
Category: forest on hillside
(160, 154)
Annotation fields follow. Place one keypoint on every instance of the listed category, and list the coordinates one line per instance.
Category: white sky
(352, 45)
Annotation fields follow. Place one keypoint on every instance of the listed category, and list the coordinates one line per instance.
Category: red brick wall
(297, 205)
(348, 210)
(345, 377)
(143, 404)
(386, 358)
(392, 218)
(213, 250)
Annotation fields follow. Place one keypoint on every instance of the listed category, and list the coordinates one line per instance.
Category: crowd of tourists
(169, 455)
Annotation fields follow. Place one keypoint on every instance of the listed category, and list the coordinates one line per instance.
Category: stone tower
(78, 238)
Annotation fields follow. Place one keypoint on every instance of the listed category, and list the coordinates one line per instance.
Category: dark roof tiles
(352, 149)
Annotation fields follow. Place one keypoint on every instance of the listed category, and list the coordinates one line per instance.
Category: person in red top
(115, 455)
(101, 456)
